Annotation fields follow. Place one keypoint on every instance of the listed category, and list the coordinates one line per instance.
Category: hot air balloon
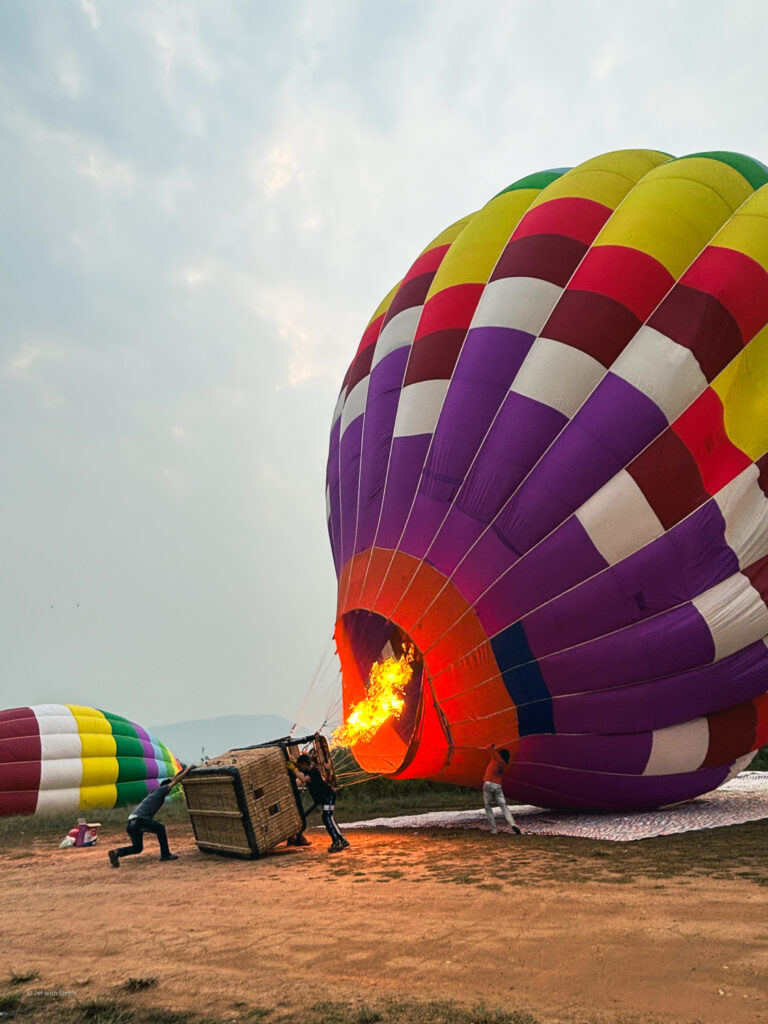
(547, 477)
(62, 757)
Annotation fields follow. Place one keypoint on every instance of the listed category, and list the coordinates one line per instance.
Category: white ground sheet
(744, 798)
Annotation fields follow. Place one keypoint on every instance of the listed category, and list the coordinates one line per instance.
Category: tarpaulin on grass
(744, 798)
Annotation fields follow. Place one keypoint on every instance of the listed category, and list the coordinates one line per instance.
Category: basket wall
(254, 783)
(216, 809)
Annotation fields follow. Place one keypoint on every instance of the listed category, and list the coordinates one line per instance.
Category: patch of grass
(339, 872)
(734, 852)
(32, 1010)
(139, 984)
(459, 878)
(376, 798)
(22, 977)
(341, 1013)
(367, 1015)
(383, 797)
(102, 1011)
(172, 1017)
(22, 830)
(401, 1012)
(9, 1001)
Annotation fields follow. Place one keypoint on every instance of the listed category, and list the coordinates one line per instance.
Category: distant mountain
(188, 740)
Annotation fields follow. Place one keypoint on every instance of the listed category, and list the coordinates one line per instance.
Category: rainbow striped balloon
(548, 474)
(62, 757)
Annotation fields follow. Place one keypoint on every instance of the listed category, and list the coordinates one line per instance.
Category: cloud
(195, 277)
(68, 72)
(606, 61)
(174, 479)
(278, 170)
(24, 359)
(91, 13)
(175, 31)
(107, 171)
(303, 364)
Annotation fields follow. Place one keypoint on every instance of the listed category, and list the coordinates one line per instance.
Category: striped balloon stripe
(376, 422)
(440, 335)
(755, 172)
(624, 595)
(513, 277)
(675, 211)
(596, 178)
(524, 418)
(390, 332)
(526, 282)
(521, 524)
(20, 760)
(731, 530)
(683, 377)
(58, 757)
(348, 407)
(654, 652)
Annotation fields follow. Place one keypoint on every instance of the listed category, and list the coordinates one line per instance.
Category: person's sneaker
(301, 841)
(514, 829)
(114, 860)
(335, 847)
(170, 856)
(343, 843)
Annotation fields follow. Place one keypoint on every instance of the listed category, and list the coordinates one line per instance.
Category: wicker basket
(244, 802)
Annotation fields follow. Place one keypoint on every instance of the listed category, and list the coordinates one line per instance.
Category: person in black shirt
(141, 820)
(324, 795)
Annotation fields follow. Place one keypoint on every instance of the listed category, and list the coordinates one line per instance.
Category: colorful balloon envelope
(548, 474)
(63, 757)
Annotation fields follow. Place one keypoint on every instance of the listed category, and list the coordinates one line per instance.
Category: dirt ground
(567, 930)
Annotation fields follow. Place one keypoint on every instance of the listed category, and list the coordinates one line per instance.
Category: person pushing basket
(141, 820)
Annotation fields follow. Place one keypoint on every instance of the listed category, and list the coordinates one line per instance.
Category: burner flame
(385, 701)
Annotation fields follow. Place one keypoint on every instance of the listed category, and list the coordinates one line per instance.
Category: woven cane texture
(242, 802)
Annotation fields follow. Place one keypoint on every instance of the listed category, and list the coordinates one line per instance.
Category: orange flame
(384, 700)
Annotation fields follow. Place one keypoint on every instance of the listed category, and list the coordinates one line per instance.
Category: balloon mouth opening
(382, 675)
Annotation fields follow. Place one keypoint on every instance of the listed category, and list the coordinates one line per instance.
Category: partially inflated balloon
(60, 757)
(548, 473)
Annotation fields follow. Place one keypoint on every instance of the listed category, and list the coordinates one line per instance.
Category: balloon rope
(320, 667)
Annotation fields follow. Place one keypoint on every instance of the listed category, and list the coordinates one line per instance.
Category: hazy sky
(202, 203)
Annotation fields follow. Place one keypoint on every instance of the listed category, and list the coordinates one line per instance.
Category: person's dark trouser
(329, 821)
(136, 828)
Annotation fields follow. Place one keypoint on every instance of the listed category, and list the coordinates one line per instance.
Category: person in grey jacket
(141, 820)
